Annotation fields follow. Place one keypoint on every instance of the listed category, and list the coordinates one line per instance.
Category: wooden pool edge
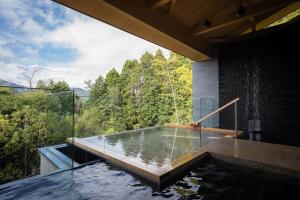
(178, 169)
(157, 177)
(215, 130)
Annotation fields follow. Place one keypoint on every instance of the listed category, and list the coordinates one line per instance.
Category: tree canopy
(149, 92)
(30, 119)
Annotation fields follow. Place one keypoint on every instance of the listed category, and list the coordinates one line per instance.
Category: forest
(148, 92)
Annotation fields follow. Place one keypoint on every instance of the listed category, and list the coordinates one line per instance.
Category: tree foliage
(30, 119)
(149, 92)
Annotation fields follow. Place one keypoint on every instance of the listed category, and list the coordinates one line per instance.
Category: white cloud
(10, 72)
(5, 53)
(32, 27)
(99, 46)
(13, 11)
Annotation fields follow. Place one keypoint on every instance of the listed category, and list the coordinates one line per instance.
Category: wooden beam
(218, 40)
(171, 6)
(251, 11)
(239, 30)
(154, 4)
(276, 16)
(135, 17)
(162, 22)
(253, 24)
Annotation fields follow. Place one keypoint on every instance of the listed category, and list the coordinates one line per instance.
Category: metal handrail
(198, 123)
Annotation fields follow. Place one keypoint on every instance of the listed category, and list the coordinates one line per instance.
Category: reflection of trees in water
(112, 139)
(157, 146)
(154, 148)
(131, 143)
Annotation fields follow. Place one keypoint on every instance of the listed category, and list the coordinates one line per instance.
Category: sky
(61, 43)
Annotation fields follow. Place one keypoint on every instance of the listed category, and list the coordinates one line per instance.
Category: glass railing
(32, 122)
(204, 106)
(223, 118)
(111, 115)
(215, 112)
(38, 126)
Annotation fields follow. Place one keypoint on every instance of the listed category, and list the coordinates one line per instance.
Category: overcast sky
(63, 43)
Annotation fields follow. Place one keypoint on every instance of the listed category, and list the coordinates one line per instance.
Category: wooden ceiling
(188, 27)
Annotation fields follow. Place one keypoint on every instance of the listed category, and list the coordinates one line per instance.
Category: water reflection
(155, 146)
(174, 141)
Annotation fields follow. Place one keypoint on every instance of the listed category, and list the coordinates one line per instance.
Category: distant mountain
(7, 83)
(81, 92)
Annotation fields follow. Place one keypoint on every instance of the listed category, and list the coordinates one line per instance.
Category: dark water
(209, 180)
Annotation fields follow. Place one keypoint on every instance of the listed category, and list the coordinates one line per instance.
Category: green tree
(131, 93)
(29, 119)
(114, 101)
(151, 92)
(61, 89)
(181, 73)
(97, 110)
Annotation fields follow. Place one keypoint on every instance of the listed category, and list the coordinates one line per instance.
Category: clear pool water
(209, 180)
(155, 146)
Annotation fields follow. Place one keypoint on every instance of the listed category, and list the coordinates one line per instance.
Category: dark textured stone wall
(264, 71)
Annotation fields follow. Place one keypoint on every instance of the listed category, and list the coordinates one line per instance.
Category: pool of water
(155, 146)
(208, 180)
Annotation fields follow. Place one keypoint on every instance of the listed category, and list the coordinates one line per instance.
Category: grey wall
(46, 166)
(205, 91)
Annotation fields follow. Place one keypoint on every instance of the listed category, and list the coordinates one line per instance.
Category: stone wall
(264, 71)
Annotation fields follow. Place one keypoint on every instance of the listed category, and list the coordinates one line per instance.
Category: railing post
(235, 118)
(200, 133)
(73, 128)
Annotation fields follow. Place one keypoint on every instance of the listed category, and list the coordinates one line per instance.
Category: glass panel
(204, 106)
(208, 105)
(196, 109)
(112, 115)
(32, 122)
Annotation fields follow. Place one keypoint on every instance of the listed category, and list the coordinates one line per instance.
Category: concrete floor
(275, 158)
